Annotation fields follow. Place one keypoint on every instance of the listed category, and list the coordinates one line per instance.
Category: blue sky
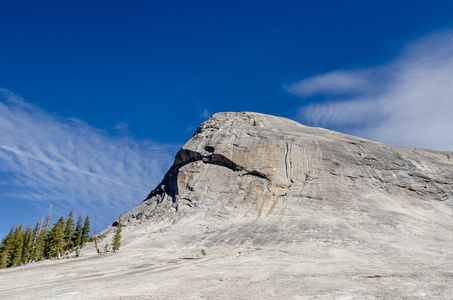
(96, 97)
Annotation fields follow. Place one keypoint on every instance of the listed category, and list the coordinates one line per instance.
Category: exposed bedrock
(250, 166)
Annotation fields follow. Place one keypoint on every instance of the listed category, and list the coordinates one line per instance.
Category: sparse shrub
(116, 243)
(254, 123)
(203, 252)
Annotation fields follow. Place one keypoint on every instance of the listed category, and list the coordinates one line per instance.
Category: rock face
(282, 211)
(250, 166)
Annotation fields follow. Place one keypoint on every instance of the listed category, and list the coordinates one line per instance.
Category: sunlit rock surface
(256, 167)
(283, 211)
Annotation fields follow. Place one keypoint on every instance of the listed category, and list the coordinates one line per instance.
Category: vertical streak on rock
(288, 163)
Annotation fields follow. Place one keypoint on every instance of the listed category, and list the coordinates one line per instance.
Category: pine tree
(85, 231)
(39, 236)
(69, 232)
(28, 245)
(47, 235)
(78, 232)
(33, 244)
(55, 240)
(6, 249)
(18, 246)
(116, 243)
(48, 220)
(3, 254)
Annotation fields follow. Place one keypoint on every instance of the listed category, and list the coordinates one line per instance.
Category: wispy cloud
(65, 162)
(336, 82)
(122, 126)
(407, 102)
(205, 114)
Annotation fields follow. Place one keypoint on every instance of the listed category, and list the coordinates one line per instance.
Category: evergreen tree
(6, 249)
(40, 246)
(48, 220)
(69, 232)
(48, 237)
(116, 243)
(28, 245)
(55, 240)
(18, 246)
(33, 244)
(85, 231)
(9, 247)
(39, 236)
(78, 232)
(3, 254)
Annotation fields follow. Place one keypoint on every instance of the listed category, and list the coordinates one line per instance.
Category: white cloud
(121, 126)
(45, 159)
(205, 114)
(409, 103)
(336, 82)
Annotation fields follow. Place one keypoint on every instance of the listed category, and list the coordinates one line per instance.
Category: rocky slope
(283, 211)
(255, 167)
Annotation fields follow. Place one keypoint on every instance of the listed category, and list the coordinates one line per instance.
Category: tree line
(44, 241)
